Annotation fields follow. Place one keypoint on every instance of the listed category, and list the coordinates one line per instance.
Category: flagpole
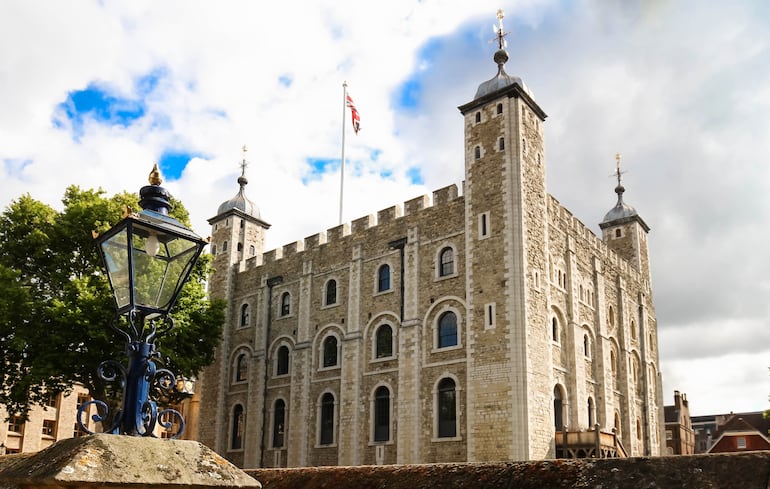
(342, 164)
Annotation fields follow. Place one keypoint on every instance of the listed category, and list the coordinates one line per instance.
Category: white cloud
(679, 88)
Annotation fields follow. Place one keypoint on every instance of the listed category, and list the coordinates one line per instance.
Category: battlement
(411, 208)
(577, 229)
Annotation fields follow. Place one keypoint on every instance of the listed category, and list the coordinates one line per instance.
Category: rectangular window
(484, 225)
(16, 425)
(489, 316)
(49, 427)
(52, 400)
(741, 443)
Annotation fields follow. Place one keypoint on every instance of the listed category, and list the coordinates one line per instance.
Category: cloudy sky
(93, 93)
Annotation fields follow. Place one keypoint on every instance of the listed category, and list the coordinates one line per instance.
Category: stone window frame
(325, 292)
(214, 249)
(499, 110)
(244, 318)
(477, 117)
(376, 343)
(284, 304)
(320, 413)
(501, 144)
(458, 413)
(458, 330)
(48, 429)
(490, 315)
(484, 225)
(560, 407)
(241, 351)
(277, 363)
(276, 429)
(439, 266)
(378, 290)
(237, 427)
(373, 414)
(327, 334)
(591, 411)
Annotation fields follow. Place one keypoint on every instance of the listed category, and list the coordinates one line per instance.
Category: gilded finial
(618, 173)
(499, 29)
(243, 161)
(155, 178)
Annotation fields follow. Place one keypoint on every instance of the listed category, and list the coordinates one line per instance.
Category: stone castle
(487, 326)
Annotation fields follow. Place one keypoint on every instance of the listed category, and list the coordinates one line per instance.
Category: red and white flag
(353, 113)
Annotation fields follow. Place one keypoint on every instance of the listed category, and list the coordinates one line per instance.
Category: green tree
(56, 304)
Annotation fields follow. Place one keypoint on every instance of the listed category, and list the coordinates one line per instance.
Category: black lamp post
(149, 256)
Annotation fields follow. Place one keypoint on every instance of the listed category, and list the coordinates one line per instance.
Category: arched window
(478, 117)
(591, 420)
(244, 315)
(633, 329)
(279, 422)
(330, 351)
(285, 304)
(383, 278)
(236, 437)
(252, 250)
(241, 368)
(447, 408)
(558, 409)
(240, 247)
(617, 424)
(613, 363)
(446, 262)
(384, 342)
(282, 360)
(447, 330)
(586, 346)
(611, 317)
(499, 108)
(214, 250)
(331, 292)
(477, 152)
(555, 329)
(326, 420)
(382, 414)
(224, 246)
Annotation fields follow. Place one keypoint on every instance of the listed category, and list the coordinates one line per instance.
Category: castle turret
(625, 231)
(506, 215)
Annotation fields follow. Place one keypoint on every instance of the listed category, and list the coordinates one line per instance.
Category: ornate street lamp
(149, 256)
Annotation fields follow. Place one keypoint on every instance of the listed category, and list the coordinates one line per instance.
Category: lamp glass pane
(115, 251)
(161, 262)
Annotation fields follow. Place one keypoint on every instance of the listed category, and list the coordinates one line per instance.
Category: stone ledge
(749, 470)
(116, 461)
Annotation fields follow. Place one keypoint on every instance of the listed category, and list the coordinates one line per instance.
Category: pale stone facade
(468, 327)
(55, 420)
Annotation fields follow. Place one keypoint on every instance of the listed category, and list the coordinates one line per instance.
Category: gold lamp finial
(155, 178)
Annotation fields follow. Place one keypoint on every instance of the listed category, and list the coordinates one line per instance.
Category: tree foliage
(56, 303)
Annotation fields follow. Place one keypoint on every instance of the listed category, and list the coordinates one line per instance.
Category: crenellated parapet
(412, 209)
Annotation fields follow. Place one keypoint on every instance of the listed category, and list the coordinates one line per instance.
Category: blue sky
(105, 89)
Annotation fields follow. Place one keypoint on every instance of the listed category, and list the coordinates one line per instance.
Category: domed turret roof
(502, 79)
(240, 202)
(622, 212)
(621, 209)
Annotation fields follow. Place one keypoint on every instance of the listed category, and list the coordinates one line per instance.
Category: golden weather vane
(618, 172)
(500, 33)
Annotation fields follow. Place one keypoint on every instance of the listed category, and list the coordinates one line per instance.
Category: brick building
(680, 437)
(55, 420)
(488, 324)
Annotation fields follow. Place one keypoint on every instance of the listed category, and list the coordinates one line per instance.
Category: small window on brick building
(49, 427)
(477, 152)
(478, 117)
(618, 233)
(499, 108)
(501, 144)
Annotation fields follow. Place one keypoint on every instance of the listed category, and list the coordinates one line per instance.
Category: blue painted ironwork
(158, 252)
(138, 414)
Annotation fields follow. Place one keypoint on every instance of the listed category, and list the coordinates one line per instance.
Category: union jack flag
(354, 113)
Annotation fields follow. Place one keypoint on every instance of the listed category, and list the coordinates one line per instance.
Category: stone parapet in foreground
(749, 470)
(115, 461)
